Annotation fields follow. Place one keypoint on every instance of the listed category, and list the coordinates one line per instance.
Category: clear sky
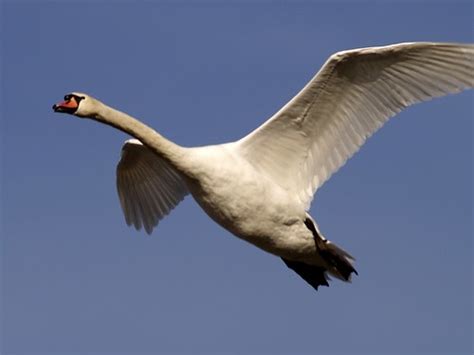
(77, 280)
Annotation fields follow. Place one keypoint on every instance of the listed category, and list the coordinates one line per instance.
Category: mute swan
(260, 187)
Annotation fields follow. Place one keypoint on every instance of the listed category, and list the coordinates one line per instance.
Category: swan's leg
(314, 275)
(341, 265)
(338, 260)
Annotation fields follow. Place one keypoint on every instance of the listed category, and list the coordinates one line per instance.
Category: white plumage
(261, 186)
(148, 187)
(348, 100)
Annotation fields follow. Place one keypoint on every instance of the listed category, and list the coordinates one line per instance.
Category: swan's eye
(77, 98)
(67, 97)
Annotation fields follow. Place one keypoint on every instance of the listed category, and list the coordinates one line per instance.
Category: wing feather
(148, 187)
(348, 100)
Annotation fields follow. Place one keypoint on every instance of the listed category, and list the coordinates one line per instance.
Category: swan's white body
(260, 187)
(250, 204)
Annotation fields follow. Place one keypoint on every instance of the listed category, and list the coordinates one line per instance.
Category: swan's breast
(235, 194)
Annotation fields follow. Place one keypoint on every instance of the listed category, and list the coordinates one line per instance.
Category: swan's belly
(236, 204)
(252, 208)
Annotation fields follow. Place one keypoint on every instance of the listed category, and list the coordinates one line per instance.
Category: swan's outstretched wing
(148, 187)
(352, 96)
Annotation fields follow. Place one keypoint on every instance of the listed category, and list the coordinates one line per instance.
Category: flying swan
(261, 186)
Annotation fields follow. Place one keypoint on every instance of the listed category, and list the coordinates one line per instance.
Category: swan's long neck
(166, 149)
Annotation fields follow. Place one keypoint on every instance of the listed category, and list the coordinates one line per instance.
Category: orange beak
(68, 106)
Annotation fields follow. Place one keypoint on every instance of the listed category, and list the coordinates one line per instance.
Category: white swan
(260, 187)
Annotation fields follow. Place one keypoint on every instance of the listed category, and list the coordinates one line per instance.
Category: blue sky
(77, 280)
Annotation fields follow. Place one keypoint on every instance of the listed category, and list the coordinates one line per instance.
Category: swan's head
(77, 104)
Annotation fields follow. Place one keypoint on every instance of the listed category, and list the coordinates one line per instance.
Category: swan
(261, 186)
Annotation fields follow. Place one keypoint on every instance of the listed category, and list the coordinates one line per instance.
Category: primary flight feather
(261, 186)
